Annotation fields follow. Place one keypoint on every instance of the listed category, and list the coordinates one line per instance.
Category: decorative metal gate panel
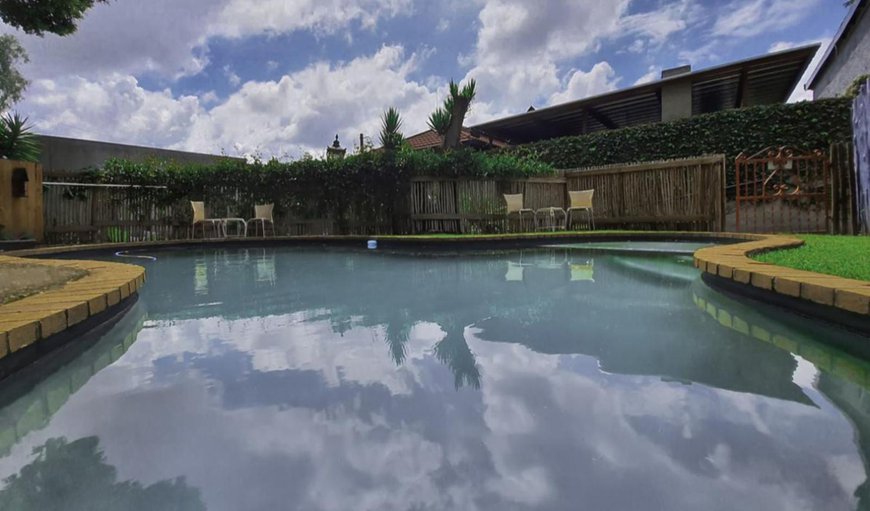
(783, 190)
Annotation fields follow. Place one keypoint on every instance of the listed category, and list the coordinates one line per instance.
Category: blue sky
(282, 77)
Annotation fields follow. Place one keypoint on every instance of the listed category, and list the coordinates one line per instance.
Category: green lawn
(844, 256)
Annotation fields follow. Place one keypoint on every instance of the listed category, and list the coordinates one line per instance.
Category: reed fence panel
(679, 194)
(684, 194)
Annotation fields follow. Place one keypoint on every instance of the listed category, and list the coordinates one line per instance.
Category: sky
(280, 78)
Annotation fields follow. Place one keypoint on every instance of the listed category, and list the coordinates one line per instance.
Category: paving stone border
(28, 321)
(732, 262)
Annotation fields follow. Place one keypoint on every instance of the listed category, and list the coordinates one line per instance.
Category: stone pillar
(21, 203)
(676, 94)
(676, 100)
(336, 152)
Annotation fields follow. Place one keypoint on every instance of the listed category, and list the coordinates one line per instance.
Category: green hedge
(370, 188)
(805, 125)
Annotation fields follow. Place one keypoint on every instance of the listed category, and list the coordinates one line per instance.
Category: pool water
(328, 379)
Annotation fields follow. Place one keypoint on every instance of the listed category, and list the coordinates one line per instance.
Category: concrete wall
(21, 216)
(848, 61)
(676, 100)
(72, 155)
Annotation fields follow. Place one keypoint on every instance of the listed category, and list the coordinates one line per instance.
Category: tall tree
(42, 16)
(12, 83)
(447, 120)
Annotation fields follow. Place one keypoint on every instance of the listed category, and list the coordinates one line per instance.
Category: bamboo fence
(678, 194)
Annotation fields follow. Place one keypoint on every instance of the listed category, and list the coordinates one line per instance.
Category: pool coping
(733, 264)
(28, 324)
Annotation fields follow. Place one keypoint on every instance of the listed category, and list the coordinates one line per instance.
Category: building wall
(60, 154)
(849, 61)
(676, 100)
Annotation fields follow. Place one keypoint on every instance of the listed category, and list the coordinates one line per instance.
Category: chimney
(676, 71)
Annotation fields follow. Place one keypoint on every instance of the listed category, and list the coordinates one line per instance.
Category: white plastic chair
(582, 201)
(263, 214)
(200, 218)
(514, 204)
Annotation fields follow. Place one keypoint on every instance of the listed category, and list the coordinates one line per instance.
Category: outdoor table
(241, 230)
(549, 213)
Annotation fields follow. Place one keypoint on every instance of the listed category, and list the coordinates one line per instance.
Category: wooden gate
(783, 190)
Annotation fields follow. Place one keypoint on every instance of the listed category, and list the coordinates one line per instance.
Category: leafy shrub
(371, 187)
(17, 142)
(806, 125)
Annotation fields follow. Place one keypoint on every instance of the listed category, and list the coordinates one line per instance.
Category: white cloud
(232, 77)
(522, 48)
(128, 37)
(299, 112)
(115, 108)
(708, 52)
(169, 37)
(239, 18)
(304, 110)
(601, 78)
(652, 74)
(749, 18)
(659, 24)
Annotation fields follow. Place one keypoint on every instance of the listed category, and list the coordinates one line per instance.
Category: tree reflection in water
(453, 351)
(74, 476)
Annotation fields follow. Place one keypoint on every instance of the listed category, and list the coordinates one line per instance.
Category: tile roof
(429, 139)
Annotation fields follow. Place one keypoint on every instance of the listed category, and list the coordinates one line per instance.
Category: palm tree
(391, 123)
(447, 120)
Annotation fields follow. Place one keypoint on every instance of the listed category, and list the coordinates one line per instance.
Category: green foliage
(17, 142)
(372, 185)
(41, 16)
(855, 88)
(844, 256)
(439, 120)
(12, 83)
(391, 123)
(806, 125)
(447, 120)
(75, 476)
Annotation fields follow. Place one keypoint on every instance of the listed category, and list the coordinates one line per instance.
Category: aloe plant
(391, 123)
(17, 141)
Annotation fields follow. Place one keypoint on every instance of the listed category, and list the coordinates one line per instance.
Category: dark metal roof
(760, 80)
(845, 30)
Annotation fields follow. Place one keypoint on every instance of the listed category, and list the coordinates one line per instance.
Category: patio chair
(514, 204)
(582, 201)
(200, 218)
(263, 214)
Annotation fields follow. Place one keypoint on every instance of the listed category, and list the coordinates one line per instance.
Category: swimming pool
(558, 378)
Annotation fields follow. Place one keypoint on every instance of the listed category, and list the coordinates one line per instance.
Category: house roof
(844, 32)
(760, 80)
(430, 139)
